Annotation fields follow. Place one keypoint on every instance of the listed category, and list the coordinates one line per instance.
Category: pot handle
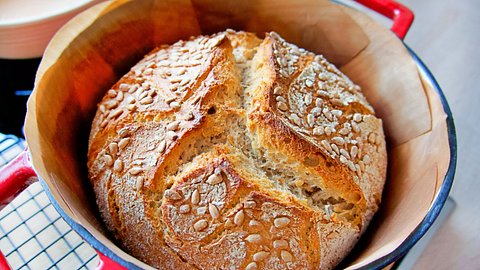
(15, 177)
(105, 263)
(402, 16)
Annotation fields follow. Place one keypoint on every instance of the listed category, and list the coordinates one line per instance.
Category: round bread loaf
(233, 152)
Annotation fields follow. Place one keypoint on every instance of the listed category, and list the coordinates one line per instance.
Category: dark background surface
(16, 82)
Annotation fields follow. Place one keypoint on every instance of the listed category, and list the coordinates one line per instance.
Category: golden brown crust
(213, 210)
(310, 107)
(229, 152)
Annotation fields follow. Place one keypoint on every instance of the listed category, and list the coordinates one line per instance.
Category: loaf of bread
(234, 152)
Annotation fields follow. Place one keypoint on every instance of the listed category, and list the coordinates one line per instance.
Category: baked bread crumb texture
(234, 152)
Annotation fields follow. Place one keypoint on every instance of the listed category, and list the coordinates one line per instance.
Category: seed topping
(249, 204)
(228, 223)
(139, 183)
(124, 132)
(173, 126)
(213, 210)
(214, 179)
(108, 160)
(309, 83)
(357, 117)
(338, 140)
(310, 120)
(344, 153)
(131, 107)
(172, 195)
(351, 166)
(281, 99)
(294, 117)
(123, 87)
(113, 148)
(326, 145)
(344, 131)
(253, 223)
(281, 222)
(201, 210)
(135, 170)
(286, 256)
(147, 100)
(111, 93)
(282, 106)
(174, 105)
(343, 159)
(251, 266)
(195, 197)
(119, 96)
(335, 148)
(161, 146)
(115, 113)
(328, 130)
(280, 244)
(118, 166)
(238, 218)
(254, 238)
(260, 256)
(123, 143)
(354, 151)
(171, 135)
(200, 225)
(184, 209)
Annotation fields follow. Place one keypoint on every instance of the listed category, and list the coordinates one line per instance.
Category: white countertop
(445, 35)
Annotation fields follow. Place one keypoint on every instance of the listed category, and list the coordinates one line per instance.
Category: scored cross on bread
(232, 152)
